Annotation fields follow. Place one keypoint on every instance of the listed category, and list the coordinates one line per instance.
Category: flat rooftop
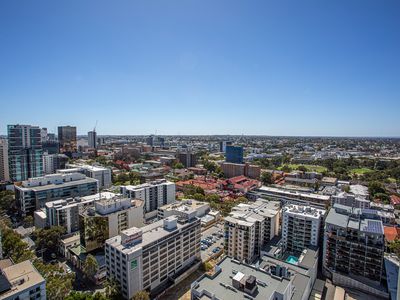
(150, 233)
(58, 186)
(304, 210)
(286, 192)
(267, 284)
(184, 205)
(21, 276)
(347, 217)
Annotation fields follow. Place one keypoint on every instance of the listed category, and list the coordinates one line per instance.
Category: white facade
(53, 162)
(4, 169)
(102, 174)
(122, 213)
(144, 259)
(197, 208)
(26, 282)
(154, 194)
(351, 200)
(301, 226)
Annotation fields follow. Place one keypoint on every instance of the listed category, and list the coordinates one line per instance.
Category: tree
(266, 178)
(74, 295)
(7, 200)
(58, 284)
(142, 295)
(112, 290)
(212, 198)
(90, 266)
(178, 165)
(376, 187)
(134, 178)
(286, 169)
(14, 247)
(49, 239)
(302, 168)
(198, 197)
(210, 166)
(28, 221)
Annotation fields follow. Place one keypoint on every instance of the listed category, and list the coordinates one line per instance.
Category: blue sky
(202, 67)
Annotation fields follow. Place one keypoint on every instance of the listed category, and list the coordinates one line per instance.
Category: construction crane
(94, 129)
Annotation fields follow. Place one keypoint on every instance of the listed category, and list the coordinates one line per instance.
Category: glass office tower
(25, 152)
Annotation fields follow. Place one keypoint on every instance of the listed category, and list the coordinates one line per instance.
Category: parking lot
(212, 241)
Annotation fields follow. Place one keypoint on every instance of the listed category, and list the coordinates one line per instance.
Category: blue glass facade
(25, 152)
(234, 154)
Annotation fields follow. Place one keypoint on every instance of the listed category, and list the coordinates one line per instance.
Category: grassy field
(361, 171)
(310, 168)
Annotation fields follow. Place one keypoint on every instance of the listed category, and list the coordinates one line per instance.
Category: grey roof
(337, 219)
(214, 285)
(58, 186)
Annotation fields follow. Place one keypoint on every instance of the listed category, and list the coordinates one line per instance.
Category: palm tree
(112, 289)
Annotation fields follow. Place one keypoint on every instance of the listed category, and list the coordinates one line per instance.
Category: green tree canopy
(142, 295)
(90, 266)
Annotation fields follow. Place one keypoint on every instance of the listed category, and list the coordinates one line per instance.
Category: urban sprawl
(197, 217)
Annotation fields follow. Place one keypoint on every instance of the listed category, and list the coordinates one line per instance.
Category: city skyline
(198, 68)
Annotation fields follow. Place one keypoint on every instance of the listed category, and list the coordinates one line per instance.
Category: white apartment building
(102, 174)
(301, 225)
(286, 196)
(32, 194)
(151, 257)
(4, 169)
(187, 206)
(108, 218)
(155, 194)
(53, 162)
(65, 212)
(350, 200)
(249, 226)
(21, 281)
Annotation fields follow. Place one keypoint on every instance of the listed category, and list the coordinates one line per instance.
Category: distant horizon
(234, 135)
(292, 68)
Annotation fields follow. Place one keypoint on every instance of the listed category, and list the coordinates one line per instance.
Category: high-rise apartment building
(248, 227)
(65, 213)
(102, 174)
(350, 200)
(232, 170)
(43, 134)
(92, 139)
(148, 258)
(223, 144)
(54, 162)
(24, 152)
(67, 140)
(301, 227)
(187, 158)
(354, 243)
(234, 154)
(50, 147)
(154, 194)
(108, 218)
(32, 194)
(4, 170)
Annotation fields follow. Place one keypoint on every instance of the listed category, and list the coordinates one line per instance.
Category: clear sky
(202, 67)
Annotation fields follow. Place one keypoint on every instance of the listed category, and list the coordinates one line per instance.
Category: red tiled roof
(390, 233)
(395, 200)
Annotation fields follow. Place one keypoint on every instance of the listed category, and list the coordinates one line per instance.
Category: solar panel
(374, 226)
